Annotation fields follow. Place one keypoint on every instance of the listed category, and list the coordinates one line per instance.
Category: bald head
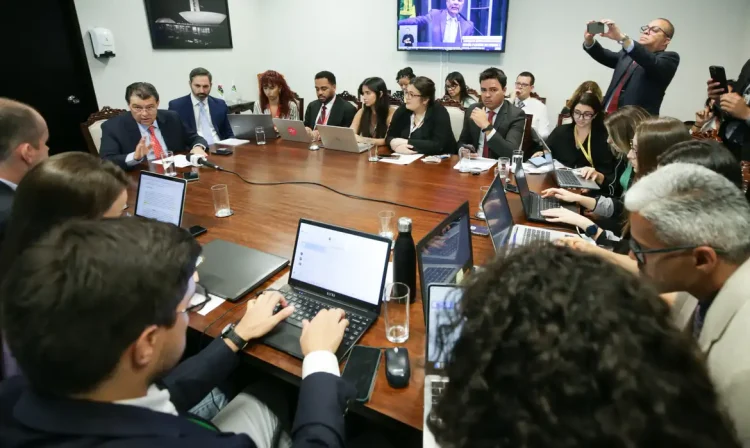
(20, 124)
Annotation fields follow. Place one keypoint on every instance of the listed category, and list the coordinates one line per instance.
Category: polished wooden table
(266, 218)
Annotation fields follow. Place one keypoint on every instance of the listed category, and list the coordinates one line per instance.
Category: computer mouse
(397, 369)
(314, 147)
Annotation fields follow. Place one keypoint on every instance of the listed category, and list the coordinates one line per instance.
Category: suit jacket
(6, 205)
(27, 418)
(563, 145)
(741, 150)
(724, 340)
(120, 136)
(434, 136)
(509, 124)
(216, 107)
(649, 79)
(341, 114)
(436, 20)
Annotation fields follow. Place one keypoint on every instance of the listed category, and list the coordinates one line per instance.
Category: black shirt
(562, 142)
(434, 136)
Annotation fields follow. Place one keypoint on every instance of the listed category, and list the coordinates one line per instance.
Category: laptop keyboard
(539, 203)
(438, 386)
(437, 275)
(306, 307)
(568, 178)
(532, 234)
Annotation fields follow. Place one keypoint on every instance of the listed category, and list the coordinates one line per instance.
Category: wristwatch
(591, 230)
(229, 333)
(488, 128)
(624, 38)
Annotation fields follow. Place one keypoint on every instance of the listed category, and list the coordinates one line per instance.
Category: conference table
(266, 218)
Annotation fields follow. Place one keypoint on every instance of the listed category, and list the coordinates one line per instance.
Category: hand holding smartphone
(595, 28)
(718, 74)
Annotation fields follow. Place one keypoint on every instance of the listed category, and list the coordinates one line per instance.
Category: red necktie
(614, 102)
(158, 151)
(322, 118)
(486, 150)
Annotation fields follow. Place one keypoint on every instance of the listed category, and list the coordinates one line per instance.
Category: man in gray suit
(690, 230)
(446, 26)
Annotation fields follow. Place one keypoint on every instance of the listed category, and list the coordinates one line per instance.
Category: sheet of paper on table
(232, 141)
(403, 159)
(180, 161)
(529, 168)
(479, 163)
(214, 302)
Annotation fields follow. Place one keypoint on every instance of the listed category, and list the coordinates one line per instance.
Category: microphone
(472, 24)
(198, 160)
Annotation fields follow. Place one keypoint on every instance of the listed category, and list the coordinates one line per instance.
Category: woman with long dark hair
(372, 120)
(275, 98)
(455, 88)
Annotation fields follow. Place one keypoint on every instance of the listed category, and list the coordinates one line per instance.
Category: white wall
(357, 38)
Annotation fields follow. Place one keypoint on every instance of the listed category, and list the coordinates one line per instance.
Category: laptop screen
(443, 308)
(161, 197)
(498, 215)
(523, 186)
(340, 262)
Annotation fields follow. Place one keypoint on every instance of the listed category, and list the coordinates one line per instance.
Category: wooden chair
(564, 119)
(300, 106)
(345, 95)
(527, 142)
(394, 100)
(448, 102)
(536, 95)
(92, 128)
(241, 107)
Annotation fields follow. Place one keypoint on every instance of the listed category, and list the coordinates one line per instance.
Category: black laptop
(244, 125)
(445, 255)
(332, 267)
(533, 203)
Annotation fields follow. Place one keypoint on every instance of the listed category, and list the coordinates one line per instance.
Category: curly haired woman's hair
(274, 78)
(562, 349)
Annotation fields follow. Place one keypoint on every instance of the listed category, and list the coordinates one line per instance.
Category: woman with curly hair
(563, 350)
(275, 98)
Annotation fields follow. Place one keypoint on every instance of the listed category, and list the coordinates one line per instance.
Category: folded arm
(503, 146)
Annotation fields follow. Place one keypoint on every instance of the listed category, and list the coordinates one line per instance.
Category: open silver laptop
(292, 130)
(442, 307)
(500, 222)
(566, 178)
(340, 139)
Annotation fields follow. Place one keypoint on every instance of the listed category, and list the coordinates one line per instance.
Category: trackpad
(285, 337)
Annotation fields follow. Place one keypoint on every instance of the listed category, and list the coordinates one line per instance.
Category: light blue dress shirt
(130, 159)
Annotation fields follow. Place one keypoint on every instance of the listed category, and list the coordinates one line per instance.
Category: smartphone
(719, 75)
(190, 176)
(511, 188)
(197, 230)
(595, 28)
(480, 230)
(361, 370)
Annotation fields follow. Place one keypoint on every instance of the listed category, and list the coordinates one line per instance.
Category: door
(47, 68)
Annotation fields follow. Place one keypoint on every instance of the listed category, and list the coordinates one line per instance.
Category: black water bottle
(405, 258)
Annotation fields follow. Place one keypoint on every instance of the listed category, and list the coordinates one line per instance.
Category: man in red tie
(495, 127)
(328, 109)
(643, 69)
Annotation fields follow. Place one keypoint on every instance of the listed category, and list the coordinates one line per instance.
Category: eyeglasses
(586, 115)
(522, 84)
(640, 253)
(140, 109)
(451, 87)
(409, 95)
(633, 146)
(645, 29)
(197, 306)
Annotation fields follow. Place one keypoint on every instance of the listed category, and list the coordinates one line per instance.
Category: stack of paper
(232, 142)
(480, 163)
(180, 161)
(403, 159)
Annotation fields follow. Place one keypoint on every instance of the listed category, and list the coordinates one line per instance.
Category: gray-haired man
(690, 231)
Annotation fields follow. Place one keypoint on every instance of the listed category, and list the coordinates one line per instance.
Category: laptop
(244, 125)
(332, 267)
(292, 130)
(445, 254)
(161, 197)
(567, 178)
(443, 302)
(341, 139)
(534, 203)
(500, 222)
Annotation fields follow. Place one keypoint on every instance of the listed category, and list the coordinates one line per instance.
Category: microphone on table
(198, 160)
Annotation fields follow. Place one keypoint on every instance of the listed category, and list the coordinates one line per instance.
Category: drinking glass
(464, 156)
(386, 223)
(260, 135)
(482, 193)
(372, 153)
(221, 201)
(167, 161)
(517, 158)
(503, 167)
(396, 304)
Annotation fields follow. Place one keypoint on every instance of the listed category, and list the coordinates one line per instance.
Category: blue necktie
(205, 124)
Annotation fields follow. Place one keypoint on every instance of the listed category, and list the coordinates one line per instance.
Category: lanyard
(586, 152)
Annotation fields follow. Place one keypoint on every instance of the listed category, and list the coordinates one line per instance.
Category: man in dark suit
(735, 121)
(643, 69)
(146, 132)
(328, 109)
(445, 26)
(201, 112)
(496, 126)
(99, 358)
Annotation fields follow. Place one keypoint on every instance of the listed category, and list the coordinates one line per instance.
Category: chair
(345, 95)
(448, 102)
(241, 107)
(92, 128)
(564, 119)
(300, 106)
(526, 142)
(536, 95)
(457, 120)
(394, 99)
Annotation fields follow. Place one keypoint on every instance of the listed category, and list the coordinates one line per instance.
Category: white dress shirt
(328, 106)
(197, 112)
(538, 109)
(480, 147)
(9, 183)
(451, 29)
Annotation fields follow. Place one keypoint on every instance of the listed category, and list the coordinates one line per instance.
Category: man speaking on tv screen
(446, 26)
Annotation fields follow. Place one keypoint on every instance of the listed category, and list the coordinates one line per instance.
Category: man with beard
(327, 109)
(201, 112)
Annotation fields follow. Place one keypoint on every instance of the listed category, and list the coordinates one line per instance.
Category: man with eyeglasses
(643, 69)
(98, 325)
(530, 105)
(146, 133)
(690, 231)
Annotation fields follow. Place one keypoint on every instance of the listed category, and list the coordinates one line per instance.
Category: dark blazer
(562, 142)
(30, 419)
(649, 79)
(216, 107)
(509, 123)
(740, 146)
(436, 20)
(341, 114)
(6, 205)
(433, 137)
(120, 136)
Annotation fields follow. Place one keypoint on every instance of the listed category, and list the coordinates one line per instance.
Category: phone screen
(595, 28)
(361, 369)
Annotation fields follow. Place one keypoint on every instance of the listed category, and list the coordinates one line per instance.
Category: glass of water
(221, 201)
(167, 161)
(396, 303)
(503, 169)
(517, 158)
(465, 154)
(372, 153)
(386, 223)
(482, 193)
(260, 135)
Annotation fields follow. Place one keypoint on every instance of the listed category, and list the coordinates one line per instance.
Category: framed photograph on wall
(188, 24)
